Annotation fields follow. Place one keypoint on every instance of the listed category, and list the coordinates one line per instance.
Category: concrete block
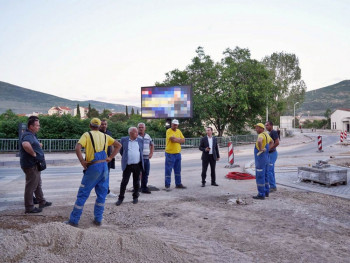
(328, 175)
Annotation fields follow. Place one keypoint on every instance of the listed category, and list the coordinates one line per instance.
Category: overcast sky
(106, 50)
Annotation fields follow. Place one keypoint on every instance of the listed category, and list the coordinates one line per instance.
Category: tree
(105, 114)
(228, 94)
(126, 111)
(327, 114)
(287, 77)
(8, 115)
(137, 112)
(94, 113)
(132, 111)
(89, 111)
(78, 112)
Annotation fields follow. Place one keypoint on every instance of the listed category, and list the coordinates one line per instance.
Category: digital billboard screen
(166, 102)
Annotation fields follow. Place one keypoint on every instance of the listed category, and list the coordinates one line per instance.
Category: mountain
(22, 100)
(333, 97)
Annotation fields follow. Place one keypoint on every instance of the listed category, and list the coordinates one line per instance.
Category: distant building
(286, 122)
(83, 112)
(340, 120)
(311, 118)
(60, 110)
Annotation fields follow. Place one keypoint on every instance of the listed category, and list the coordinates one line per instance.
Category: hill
(22, 100)
(332, 97)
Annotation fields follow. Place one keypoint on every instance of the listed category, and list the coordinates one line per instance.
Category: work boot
(135, 201)
(180, 186)
(273, 190)
(34, 211)
(45, 205)
(70, 223)
(259, 197)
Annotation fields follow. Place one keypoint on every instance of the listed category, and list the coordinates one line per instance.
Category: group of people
(136, 151)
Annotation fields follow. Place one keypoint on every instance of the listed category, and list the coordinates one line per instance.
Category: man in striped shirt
(148, 148)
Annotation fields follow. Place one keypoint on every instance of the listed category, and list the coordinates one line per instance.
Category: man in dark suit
(132, 162)
(210, 155)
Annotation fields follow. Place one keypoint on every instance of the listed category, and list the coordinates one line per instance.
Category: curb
(51, 162)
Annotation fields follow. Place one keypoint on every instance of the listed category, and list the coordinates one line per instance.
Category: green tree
(8, 115)
(119, 117)
(78, 112)
(126, 111)
(94, 113)
(132, 111)
(137, 112)
(327, 114)
(105, 114)
(287, 77)
(89, 111)
(228, 94)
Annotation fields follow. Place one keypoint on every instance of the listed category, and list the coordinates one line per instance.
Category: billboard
(166, 102)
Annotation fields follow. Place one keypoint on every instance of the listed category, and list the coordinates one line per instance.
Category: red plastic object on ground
(239, 176)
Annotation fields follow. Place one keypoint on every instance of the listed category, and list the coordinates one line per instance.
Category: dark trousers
(33, 185)
(135, 169)
(145, 173)
(205, 164)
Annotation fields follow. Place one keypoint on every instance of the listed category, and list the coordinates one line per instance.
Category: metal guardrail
(66, 145)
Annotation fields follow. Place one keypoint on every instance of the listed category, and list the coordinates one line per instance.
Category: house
(340, 120)
(83, 112)
(60, 110)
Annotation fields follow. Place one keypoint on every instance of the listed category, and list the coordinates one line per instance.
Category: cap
(175, 121)
(95, 122)
(260, 125)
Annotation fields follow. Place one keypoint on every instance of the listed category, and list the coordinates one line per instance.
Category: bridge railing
(66, 145)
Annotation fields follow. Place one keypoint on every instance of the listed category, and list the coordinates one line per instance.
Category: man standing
(272, 155)
(132, 162)
(174, 139)
(261, 154)
(95, 170)
(148, 148)
(111, 164)
(210, 154)
(30, 153)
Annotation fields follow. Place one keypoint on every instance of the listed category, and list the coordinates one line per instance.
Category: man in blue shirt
(30, 153)
(272, 156)
(132, 162)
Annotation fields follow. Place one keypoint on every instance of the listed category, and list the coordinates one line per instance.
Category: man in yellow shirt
(174, 139)
(95, 170)
(261, 154)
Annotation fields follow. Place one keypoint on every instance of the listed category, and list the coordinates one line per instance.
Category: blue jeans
(145, 173)
(96, 176)
(271, 169)
(172, 161)
(261, 164)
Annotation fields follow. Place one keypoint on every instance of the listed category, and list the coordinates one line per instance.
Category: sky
(107, 50)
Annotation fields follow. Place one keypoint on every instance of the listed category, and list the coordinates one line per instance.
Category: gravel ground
(193, 225)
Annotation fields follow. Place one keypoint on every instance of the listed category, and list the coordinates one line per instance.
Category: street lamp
(294, 112)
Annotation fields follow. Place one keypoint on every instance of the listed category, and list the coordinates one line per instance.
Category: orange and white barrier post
(320, 143)
(231, 157)
(345, 135)
(230, 153)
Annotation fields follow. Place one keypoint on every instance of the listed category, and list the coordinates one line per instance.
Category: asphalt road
(62, 181)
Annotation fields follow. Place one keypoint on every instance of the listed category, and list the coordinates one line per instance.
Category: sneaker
(96, 223)
(111, 195)
(214, 184)
(70, 223)
(135, 201)
(119, 202)
(45, 205)
(181, 186)
(34, 211)
(259, 197)
(146, 191)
